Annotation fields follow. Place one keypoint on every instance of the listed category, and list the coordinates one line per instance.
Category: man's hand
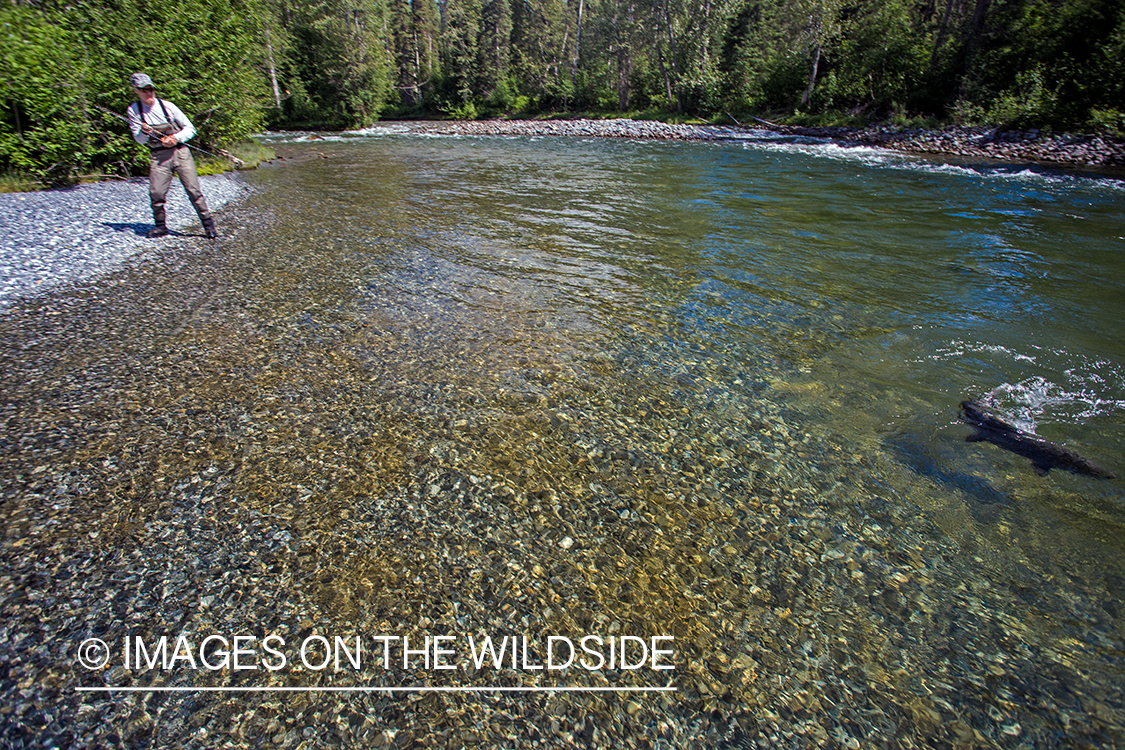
(169, 141)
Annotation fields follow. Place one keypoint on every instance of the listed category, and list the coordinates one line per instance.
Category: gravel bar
(1063, 149)
(61, 236)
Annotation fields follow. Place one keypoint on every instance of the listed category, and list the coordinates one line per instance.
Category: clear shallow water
(944, 282)
(563, 386)
(782, 328)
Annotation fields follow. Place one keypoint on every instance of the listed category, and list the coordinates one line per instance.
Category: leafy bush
(1108, 121)
(461, 111)
(61, 61)
(1029, 102)
(41, 131)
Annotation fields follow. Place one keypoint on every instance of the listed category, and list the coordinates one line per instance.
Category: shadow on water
(917, 455)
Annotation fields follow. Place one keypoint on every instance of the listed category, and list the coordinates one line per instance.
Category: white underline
(266, 689)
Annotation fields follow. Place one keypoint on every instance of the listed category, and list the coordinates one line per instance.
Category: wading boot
(159, 221)
(209, 228)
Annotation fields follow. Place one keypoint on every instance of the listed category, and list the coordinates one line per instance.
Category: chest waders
(167, 161)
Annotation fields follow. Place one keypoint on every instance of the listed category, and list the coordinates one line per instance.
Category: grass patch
(14, 182)
(207, 165)
(250, 152)
(826, 120)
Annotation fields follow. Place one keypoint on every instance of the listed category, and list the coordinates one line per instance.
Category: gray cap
(141, 81)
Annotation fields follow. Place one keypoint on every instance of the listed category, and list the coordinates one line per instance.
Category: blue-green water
(565, 386)
(782, 330)
(868, 275)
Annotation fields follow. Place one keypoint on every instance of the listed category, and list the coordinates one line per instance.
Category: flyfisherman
(162, 127)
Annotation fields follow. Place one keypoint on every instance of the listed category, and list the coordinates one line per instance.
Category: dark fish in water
(1044, 454)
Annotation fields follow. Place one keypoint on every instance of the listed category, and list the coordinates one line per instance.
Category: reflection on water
(564, 386)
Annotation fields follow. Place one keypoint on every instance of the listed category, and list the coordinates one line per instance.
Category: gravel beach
(57, 236)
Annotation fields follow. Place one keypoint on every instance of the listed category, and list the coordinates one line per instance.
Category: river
(571, 386)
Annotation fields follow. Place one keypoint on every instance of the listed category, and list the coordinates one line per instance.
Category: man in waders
(162, 127)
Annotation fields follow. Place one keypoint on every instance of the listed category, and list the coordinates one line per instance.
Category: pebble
(995, 143)
(54, 237)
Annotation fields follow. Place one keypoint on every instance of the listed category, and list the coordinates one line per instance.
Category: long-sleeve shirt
(154, 116)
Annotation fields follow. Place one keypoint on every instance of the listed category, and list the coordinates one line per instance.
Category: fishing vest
(153, 141)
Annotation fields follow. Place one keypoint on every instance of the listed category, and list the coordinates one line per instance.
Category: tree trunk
(812, 77)
(704, 38)
(972, 44)
(624, 74)
(624, 32)
(273, 69)
(577, 38)
(943, 30)
(664, 72)
(673, 54)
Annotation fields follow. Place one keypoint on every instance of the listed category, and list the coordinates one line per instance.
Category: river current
(709, 390)
(753, 322)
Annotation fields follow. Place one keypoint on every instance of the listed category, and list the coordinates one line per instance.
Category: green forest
(237, 67)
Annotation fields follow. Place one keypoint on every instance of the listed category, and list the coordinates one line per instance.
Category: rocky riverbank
(53, 237)
(974, 142)
(991, 143)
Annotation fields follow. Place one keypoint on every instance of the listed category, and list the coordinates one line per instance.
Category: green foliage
(505, 101)
(339, 64)
(784, 80)
(235, 65)
(825, 120)
(208, 165)
(1028, 102)
(1108, 121)
(41, 129)
(966, 113)
(879, 60)
(251, 152)
(14, 182)
(60, 61)
(461, 111)
(1050, 62)
(203, 57)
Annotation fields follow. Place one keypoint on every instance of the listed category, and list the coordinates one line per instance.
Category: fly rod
(237, 161)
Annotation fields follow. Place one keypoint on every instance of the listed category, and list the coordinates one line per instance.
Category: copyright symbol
(93, 653)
